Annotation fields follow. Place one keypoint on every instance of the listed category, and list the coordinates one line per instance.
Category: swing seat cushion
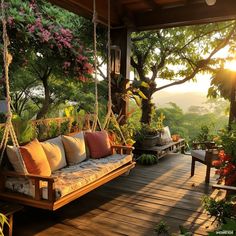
(35, 159)
(98, 144)
(74, 148)
(55, 153)
(72, 178)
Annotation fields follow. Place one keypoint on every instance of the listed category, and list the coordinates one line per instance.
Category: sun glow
(231, 65)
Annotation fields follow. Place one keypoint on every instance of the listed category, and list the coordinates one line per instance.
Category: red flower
(230, 180)
(217, 163)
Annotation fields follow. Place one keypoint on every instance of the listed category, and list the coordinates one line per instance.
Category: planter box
(150, 141)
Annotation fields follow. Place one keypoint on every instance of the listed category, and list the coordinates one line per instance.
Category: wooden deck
(129, 205)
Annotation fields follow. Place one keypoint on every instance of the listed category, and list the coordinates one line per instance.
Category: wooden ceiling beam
(85, 8)
(188, 14)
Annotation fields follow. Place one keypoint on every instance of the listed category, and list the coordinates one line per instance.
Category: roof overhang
(153, 14)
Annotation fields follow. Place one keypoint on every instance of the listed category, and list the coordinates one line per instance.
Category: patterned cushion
(73, 177)
(98, 144)
(55, 153)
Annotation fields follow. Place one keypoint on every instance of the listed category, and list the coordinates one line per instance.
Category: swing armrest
(122, 149)
(36, 179)
(30, 176)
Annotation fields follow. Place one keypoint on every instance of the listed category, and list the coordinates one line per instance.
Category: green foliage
(184, 231)
(227, 139)
(176, 54)
(25, 131)
(188, 125)
(147, 159)
(221, 209)
(160, 124)
(230, 226)
(47, 53)
(53, 129)
(3, 221)
(42, 131)
(204, 134)
(162, 228)
(222, 83)
(65, 127)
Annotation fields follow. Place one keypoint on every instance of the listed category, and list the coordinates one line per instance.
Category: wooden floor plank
(130, 205)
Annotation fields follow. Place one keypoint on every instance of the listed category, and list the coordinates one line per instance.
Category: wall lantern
(115, 59)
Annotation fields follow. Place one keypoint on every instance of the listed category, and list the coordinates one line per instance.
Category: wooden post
(232, 113)
(122, 38)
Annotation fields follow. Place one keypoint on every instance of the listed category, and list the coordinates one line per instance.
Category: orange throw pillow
(35, 159)
(98, 144)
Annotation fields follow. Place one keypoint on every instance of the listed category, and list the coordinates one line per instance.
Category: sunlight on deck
(130, 205)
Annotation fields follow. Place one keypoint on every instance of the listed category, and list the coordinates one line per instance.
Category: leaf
(145, 84)
(141, 94)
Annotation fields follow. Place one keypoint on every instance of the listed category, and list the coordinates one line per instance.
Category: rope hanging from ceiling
(8, 129)
(110, 116)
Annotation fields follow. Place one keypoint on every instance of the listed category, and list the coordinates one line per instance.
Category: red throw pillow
(98, 144)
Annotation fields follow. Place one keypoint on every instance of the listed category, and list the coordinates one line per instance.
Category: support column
(122, 38)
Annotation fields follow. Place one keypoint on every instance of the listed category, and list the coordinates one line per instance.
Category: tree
(49, 59)
(178, 55)
(224, 85)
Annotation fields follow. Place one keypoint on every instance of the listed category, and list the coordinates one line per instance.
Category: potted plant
(147, 136)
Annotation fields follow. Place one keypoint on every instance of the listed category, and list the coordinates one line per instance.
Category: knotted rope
(9, 129)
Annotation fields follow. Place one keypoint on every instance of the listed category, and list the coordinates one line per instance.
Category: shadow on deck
(129, 205)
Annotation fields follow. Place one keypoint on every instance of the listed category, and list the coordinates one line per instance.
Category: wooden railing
(43, 126)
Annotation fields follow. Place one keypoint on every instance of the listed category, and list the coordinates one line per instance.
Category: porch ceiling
(153, 14)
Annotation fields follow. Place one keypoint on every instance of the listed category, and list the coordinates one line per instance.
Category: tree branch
(203, 63)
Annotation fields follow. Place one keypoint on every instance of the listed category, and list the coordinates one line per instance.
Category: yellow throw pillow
(74, 148)
(55, 153)
(35, 159)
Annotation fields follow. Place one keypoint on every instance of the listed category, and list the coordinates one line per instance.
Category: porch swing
(44, 192)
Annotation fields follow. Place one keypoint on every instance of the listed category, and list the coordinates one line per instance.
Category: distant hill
(183, 100)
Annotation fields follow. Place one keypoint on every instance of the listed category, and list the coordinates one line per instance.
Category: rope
(108, 67)
(95, 120)
(9, 129)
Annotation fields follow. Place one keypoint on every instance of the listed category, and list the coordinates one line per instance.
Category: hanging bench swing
(44, 192)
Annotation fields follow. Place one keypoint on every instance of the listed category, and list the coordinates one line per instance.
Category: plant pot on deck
(149, 141)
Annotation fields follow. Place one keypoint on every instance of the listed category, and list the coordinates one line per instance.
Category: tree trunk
(232, 113)
(46, 103)
(146, 108)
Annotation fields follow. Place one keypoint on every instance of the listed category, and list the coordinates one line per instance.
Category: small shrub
(229, 226)
(42, 133)
(65, 127)
(162, 228)
(221, 209)
(147, 159)
(53, 129)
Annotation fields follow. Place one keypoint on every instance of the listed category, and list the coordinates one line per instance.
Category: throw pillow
(35, 159)
(74, 148)
(98, 144)
(166, 136)
(55, 153)
(14, 159)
